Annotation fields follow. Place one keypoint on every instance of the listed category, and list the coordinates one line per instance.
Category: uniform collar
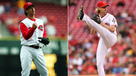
(103, 16)
(32, 19)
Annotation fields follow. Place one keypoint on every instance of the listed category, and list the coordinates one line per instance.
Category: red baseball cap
(102, 4)
(27, 5)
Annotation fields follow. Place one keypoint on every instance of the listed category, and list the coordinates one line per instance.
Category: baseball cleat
(80, 13)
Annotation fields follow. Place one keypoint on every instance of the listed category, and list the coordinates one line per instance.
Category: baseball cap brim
(30, 6)
(104, 5)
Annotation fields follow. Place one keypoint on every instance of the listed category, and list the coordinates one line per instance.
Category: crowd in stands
(120, 59)
(11, 13)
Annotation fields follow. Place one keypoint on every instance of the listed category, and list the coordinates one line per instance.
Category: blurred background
(54, 15)
(82, 46)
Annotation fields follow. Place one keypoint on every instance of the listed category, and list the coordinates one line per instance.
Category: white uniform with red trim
(108, 19)
(29, 36)
(107, 38)
(33, 40)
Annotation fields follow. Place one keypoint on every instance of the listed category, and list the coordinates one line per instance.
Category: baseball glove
(96, 18)
(43, 40)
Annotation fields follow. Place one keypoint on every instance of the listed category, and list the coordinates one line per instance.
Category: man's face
(103, 9)
(30, 10)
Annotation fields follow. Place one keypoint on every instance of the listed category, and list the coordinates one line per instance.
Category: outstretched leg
(108, 37)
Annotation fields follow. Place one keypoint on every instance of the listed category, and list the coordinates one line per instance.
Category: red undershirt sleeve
(25, 32)
(44, 32)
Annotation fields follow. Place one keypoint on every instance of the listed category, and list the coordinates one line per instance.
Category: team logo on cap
(29, 3)
(104, 2)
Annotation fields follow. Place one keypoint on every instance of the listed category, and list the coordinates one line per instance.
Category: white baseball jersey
(32, 37)
(109, 20)
(107, 39)
(29, 36)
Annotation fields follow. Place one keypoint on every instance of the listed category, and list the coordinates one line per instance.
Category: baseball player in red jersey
(105, 24)
(33, 37)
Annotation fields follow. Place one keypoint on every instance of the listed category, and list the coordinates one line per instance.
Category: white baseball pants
(107, 40)
(29, 54)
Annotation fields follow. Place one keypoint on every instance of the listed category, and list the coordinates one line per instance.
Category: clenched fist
(34, 25)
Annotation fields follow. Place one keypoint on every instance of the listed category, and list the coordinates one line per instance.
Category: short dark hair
(25, 13)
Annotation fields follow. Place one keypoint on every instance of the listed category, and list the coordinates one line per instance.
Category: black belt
(36, 47)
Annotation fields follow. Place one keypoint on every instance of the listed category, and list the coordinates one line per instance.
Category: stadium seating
(83, 46)
(44, 9)
(89, 6)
